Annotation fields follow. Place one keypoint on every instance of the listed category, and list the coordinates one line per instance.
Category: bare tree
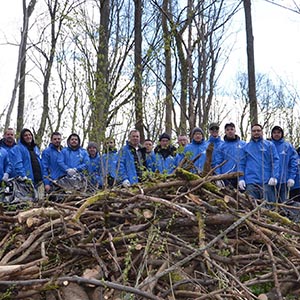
(251, 64)
(166, 7)
(138, 93)
(21, 69)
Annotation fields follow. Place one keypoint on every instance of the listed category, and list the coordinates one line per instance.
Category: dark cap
(164, 136)
(214, 125)
(229, 125)
(277, 128)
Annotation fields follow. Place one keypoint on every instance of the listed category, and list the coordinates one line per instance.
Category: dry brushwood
(179, 238)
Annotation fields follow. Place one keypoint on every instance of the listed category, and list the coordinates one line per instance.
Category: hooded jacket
(110, 162)
(230, 150)
(260, 162)
(132, 163)
(217, 141)
(164, 159)
(94, 170)
(297, 178)
(51, 168)
(194, 149)
(27, 159)
(287, 160)
(5, 165)
(3, 145)
(76, 158)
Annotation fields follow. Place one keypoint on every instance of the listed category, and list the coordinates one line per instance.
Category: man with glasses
(260, 166)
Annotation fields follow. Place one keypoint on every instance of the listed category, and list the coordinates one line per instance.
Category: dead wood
(182, 236)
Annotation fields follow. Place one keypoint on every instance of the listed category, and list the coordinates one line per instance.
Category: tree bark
(168, 63)
(251, 65)
(138, 95)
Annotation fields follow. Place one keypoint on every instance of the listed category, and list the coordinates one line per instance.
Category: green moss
(278, 218)
(102, 195)
(261, 288)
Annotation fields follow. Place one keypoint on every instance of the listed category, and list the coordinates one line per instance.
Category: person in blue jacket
(295, 189)
(164, 155)
(27, 160)
(260, 166)
(74, 158)
(197, 149)
(287, 164)
(229, 151)
(5, 165)
(8, 142)
(150, 155)
(110, 163)
(215, 139)
(132, 160)
(50, 158)
(182, 141)
(94, 165)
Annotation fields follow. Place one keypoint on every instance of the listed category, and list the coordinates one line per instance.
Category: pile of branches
(173, 237)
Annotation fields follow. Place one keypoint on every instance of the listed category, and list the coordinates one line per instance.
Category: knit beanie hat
(197, 129)
(164, 136)
(93, 144)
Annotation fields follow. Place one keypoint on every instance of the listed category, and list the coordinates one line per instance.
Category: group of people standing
(270, 167)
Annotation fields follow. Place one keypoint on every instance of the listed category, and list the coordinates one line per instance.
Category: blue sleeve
(45, 166)
(84, 161)
(293, 163)
(275, 161)
(122, 170)
(18, 161)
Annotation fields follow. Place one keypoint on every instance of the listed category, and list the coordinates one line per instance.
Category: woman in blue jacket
(27, 162)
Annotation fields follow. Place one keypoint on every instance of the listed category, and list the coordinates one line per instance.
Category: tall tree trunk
(49, 63)
(191, 96)
(251, 65)
(100, 103)
(168, 66)
(21, 70)
(138, 93)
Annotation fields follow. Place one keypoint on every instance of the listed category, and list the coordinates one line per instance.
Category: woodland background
(102, 67)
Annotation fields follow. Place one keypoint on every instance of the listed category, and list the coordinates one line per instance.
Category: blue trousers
(263, 191)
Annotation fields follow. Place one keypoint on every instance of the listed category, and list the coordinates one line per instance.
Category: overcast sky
(276, 40)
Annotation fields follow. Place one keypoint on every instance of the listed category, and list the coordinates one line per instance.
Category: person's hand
(290, 183)
(126, 183)
(242, 185)
(220, 183)
(47, 188)
(272, 181)
(71, 171)
(5, 177)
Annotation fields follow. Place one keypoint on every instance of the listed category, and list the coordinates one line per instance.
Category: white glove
(272, 181)
(242, 185)
(71, 172)
(220, 183)
(5, 177)
(290, 183)
(126, 183)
